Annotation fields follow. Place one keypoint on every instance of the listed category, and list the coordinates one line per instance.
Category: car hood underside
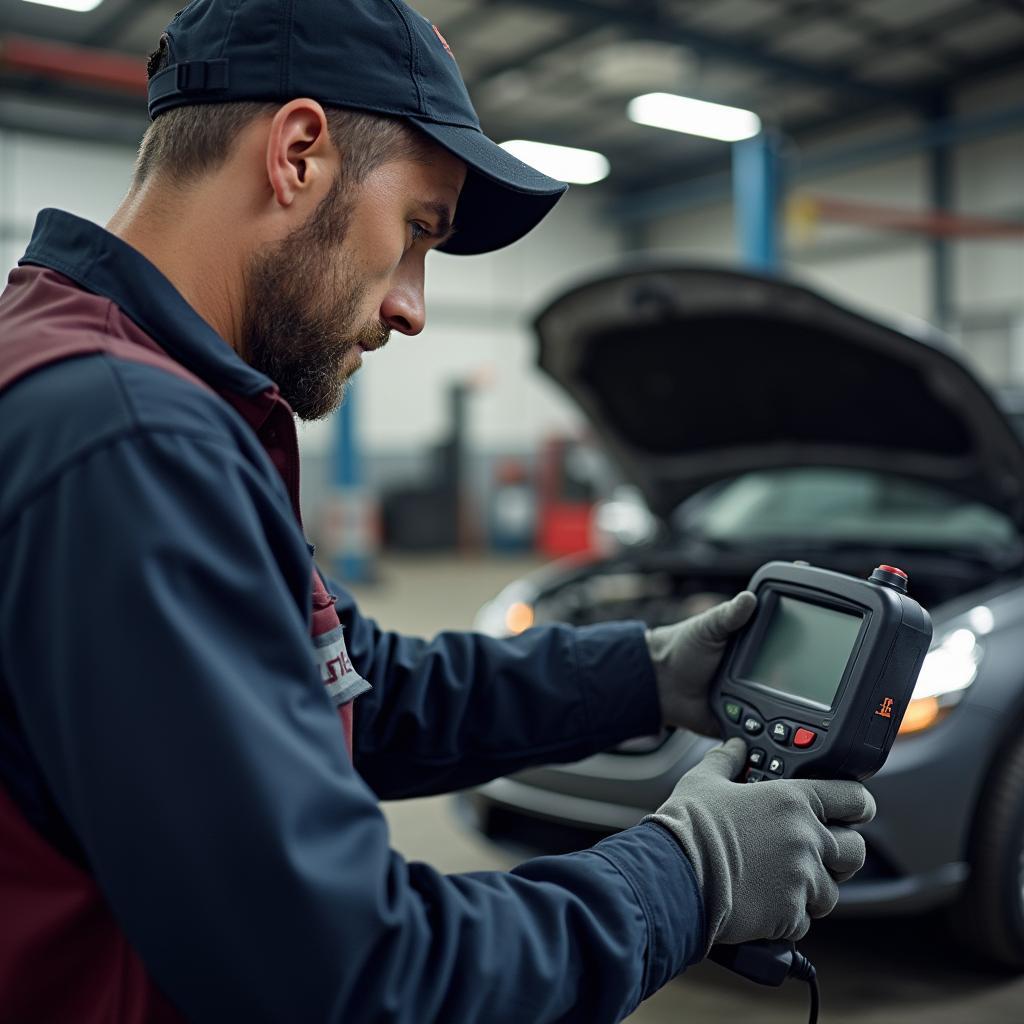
(690, 375)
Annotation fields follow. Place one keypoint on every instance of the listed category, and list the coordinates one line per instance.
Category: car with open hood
(758, 419)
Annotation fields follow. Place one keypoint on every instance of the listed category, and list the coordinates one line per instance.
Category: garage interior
(884, 169)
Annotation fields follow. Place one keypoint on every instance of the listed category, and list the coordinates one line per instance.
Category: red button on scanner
(894, 571)
(804, 738)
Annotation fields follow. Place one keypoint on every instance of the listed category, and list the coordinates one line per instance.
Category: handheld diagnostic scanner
(818, 681)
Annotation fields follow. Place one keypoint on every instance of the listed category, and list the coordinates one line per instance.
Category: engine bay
(659, 588)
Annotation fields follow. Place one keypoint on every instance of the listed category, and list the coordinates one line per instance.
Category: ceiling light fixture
(579, 166)
(81, 6)
(694, 117)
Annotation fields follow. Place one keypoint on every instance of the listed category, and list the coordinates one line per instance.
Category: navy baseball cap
(374, 55)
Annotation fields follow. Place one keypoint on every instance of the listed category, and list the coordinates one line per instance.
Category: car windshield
(851, 506)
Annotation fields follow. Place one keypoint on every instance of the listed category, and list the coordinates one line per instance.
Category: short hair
(185, 142)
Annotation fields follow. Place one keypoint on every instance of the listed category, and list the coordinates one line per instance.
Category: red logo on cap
(444, 42)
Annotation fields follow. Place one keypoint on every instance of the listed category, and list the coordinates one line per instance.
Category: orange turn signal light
(518, 618)
(920, 715)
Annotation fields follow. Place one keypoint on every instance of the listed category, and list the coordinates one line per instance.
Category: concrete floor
(892, 971)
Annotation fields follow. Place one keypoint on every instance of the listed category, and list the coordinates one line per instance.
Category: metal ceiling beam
(1009, 59)
(660, 29)
(104, 69)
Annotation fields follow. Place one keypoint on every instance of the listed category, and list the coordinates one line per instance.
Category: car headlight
(948, 670)
(622, 521)
(518, 617)
(510, 613)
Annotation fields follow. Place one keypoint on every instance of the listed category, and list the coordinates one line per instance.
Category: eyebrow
(444, 220)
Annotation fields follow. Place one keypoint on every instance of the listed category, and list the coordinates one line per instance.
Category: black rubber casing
(852, 737)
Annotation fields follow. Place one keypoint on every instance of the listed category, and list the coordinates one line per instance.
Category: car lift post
(350, 511)
(756, 188)
(941, 196)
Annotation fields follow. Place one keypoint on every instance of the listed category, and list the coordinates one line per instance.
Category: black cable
(770, 963)
(802, 969)
(815, 998)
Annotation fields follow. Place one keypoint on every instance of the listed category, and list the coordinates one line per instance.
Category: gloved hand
(766, 858)
(685, 658)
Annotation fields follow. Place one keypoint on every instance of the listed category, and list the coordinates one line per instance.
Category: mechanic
(196, 727)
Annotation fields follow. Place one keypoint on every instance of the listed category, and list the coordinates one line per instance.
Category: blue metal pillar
(756, 188)
(351, 510)
(940, 197)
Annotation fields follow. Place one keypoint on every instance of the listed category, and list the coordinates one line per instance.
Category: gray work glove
(685, 658)
(766, 857)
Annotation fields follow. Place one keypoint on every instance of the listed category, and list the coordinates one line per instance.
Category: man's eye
(418, 231)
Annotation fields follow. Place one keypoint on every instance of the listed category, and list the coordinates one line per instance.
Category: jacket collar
(103, 264)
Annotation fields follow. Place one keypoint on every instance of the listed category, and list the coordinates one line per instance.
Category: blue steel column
(940, 197)
(351, 558)
(756, 187)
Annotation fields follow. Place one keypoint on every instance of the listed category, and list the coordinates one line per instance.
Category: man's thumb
(720, 622)
(726, 761)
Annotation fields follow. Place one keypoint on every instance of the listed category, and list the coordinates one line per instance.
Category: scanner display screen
(804, 650)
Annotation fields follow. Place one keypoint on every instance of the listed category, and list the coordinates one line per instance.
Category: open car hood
(691, 375)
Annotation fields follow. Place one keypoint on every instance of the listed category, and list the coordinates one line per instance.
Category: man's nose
(403, 309)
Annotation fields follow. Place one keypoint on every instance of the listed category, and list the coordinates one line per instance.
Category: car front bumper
(926, 795)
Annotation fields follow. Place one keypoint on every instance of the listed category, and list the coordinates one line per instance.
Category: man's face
(338, 285)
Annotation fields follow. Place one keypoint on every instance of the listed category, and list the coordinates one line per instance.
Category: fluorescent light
(580, 166)
(69, 5)
(694, 117)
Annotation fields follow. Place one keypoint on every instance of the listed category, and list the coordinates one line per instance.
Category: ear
(299, 150)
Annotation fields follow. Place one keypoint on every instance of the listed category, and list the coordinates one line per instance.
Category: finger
(822, 901)
(843, 801)
(799, 930)
(844, 856)
(726, 761)
(718, 623)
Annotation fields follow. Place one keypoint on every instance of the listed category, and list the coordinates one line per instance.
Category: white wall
(84, 178)
(478, 311)
(990, 177)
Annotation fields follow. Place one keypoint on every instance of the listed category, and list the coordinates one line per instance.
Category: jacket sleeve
(465, 708)
(154, 635)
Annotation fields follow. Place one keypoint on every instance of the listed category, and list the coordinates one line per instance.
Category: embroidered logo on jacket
(337, 673)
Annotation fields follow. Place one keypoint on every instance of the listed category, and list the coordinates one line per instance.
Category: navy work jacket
(155, 654)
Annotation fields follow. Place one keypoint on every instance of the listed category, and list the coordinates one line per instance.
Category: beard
(301, 324)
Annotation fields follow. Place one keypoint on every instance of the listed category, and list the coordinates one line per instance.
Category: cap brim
(503, 198)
